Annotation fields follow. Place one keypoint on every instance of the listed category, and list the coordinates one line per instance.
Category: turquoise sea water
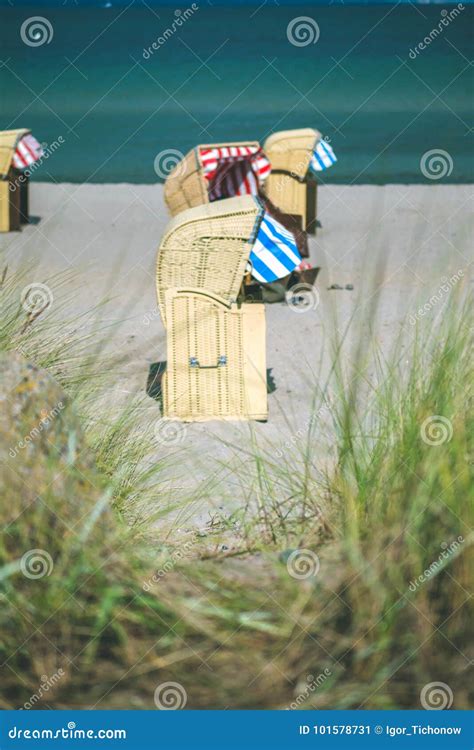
(231, 73)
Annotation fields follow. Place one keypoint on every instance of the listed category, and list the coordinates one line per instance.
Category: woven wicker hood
(207, 247)
(8, 142)
(291, 150)
(186, 185)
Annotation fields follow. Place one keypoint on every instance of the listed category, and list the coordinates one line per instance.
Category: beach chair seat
(216, 366)
(18, 150)
(296, 156)
(212, 172)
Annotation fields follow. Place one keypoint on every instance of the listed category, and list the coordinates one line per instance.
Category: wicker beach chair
(211, 172)
(13, 184)
(216, 348)
(291, 185)
(216, 365)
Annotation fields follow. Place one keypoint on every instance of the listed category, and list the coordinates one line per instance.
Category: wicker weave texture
(207, 248)
(186, 186)
(288, 194)
(8, 142)
(216, 367)
(4, 206)
(10, 200)
(290, 150)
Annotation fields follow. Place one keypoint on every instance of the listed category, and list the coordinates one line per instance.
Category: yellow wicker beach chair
(186, 185)
(216, 349)
(216, 365)
(13, 184)
(207, 247)
(291, 186)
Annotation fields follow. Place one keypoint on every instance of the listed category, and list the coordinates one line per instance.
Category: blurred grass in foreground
(353, 592)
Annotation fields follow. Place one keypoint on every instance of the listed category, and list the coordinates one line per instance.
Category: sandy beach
(397, 245)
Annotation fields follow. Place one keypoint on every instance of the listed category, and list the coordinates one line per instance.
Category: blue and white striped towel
(323, 157)
(274, 253)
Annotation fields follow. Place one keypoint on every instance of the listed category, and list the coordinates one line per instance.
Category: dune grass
(349, 585)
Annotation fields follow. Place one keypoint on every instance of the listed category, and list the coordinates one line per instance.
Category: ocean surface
(118, 109)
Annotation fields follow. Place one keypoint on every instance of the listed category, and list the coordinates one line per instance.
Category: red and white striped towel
(28, 151)
(234, 170)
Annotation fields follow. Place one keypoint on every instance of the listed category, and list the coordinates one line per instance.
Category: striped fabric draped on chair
(323, 157)
(234, 170)
(274, 253)
(27, 151)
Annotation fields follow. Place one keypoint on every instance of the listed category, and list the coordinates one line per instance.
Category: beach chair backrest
(207, 247)
(213, 171)
(290, 151)
(185, 186)
(216, 365)
(8, 143)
